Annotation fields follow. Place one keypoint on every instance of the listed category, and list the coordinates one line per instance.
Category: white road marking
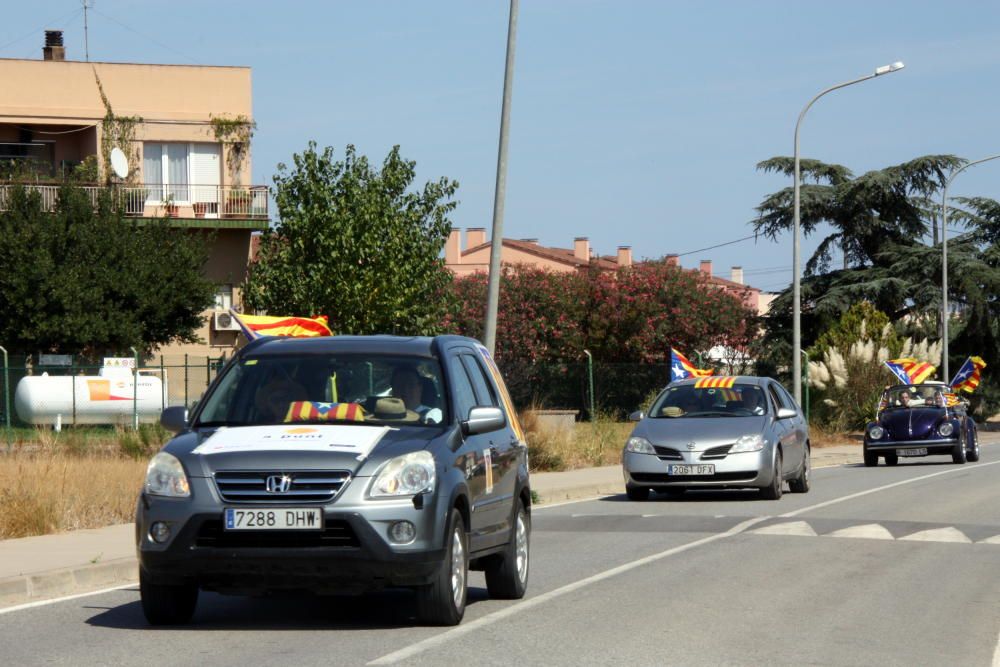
(996, 653)
(42, 603)
(790, 528)
(859, 494)
(867, 531)
(489, 619)
(947, 534)
(991, 540)
(536, 508)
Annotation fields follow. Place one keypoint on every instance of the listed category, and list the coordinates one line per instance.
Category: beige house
(183, 161)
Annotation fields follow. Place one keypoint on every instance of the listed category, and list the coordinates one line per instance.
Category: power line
(146, 37)
(720, 245)
(67, 17)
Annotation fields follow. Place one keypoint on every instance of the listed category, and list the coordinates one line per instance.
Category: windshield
(909, 396)
(686, 401)
(354, 388)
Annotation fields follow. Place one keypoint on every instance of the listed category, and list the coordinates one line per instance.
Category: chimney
(54, 49)
(581, 248)
(736, 274)
(453, 247)
(475, 236)
(531, 241)
(706, 267)
(624, 255)
(673, 260)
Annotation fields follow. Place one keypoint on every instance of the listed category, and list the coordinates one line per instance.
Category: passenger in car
(407, 384)
(273, 398)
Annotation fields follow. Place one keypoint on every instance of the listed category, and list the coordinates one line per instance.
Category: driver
(273, 399)
(406, 385)
(752, 401)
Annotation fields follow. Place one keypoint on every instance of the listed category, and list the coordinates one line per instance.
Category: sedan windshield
(354, 388)
(687, 401)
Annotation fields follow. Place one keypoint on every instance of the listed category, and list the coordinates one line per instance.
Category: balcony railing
(159, 199)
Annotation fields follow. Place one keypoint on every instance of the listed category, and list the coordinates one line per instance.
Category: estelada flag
(309, 411)
(258, 326)
(968, 376)
(910, 371)
(681, 368)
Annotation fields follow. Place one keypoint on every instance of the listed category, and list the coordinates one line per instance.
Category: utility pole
(496, 247)
(87, 4)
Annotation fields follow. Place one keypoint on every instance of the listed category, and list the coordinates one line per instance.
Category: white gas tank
(99, 399)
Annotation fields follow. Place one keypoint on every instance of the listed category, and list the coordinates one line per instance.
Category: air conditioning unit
(223, 321)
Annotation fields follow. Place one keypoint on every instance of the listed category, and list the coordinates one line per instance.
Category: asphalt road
(875, 566)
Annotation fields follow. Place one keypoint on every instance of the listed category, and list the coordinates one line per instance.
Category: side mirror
(483, 420)
(786, 413)
(174, 419)
(636, 416)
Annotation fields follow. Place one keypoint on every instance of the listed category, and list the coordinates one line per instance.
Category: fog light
(402, 532)
(160, 532)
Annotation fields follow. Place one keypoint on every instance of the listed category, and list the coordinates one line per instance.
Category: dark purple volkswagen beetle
(921, 420)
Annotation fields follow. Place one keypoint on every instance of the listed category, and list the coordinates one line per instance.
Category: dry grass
(597, 443)
(71, 480)
(822, 437)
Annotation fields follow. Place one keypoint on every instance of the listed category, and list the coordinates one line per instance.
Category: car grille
(662, 477)
(308, 486)
(716, 452)
(336, 533)
(668, 453)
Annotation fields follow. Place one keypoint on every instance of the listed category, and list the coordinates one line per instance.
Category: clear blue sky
(633, 123)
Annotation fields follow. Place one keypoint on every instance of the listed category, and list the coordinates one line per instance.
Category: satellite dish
(119, 163)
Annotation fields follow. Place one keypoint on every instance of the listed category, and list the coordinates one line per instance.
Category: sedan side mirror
(786, 413)
(174, 419)
(636, 416)
(483, 420)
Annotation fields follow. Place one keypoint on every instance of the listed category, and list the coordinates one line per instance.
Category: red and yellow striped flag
(312, 411)
(720, 382)
(257, 326)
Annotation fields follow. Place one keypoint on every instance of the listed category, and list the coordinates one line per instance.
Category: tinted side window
(787, 398)
(775, 400)
(484, 391)
(463, 395)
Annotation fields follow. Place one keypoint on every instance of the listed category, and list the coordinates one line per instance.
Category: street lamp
(944, 259)
(796, 290)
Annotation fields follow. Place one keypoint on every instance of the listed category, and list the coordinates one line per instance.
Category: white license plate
(281, 518)
(917, 451)
(703, 469)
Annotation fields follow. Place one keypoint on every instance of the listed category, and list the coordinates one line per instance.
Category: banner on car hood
(340, 438)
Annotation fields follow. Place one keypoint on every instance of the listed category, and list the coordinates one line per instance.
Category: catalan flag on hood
(967, 378)
(910, 371)
(681, 368)
(258, 326)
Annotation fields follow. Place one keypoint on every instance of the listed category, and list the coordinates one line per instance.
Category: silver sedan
(718, 432)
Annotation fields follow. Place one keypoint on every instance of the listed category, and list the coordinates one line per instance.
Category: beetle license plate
(701, 469)
(917, 451)
(281, 518)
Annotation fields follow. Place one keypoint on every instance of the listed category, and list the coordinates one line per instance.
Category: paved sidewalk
(37, 568)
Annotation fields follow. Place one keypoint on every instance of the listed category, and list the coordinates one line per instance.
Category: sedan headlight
(405, 475)
(946, 429)
(165, 477)
(748, 443)
(876, 433)
(639, 446)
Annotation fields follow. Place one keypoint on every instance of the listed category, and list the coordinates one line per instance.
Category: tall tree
(355, 244)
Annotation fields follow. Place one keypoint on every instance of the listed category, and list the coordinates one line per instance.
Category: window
(484, 393)
(181, 172)
(465, 397)
(224, 297)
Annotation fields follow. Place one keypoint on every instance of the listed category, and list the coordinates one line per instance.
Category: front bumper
(745, 469)
(352, 554)
(934, 447)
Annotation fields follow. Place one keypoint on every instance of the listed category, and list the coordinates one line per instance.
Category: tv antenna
(87, 4)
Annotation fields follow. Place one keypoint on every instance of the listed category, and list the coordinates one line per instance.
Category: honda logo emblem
(691, 445)
(278, 484)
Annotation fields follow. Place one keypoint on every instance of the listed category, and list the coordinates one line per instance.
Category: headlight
(639, 446)
(165, 477)
(946, 429)
(876, 433)
(748, 443)
(405, 475)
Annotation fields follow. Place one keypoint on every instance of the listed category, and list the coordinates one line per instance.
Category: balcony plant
(238, 203)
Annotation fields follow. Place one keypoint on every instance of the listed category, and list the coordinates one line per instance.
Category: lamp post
(796, 291)
(944, 259)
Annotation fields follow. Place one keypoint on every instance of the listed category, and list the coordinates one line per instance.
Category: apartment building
(188, 158)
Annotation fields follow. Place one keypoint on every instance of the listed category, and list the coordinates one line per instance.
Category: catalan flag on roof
(681, 368)
(258, 326)
(910, 371)
(968, 376)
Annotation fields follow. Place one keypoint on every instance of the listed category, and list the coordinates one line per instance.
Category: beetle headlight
(876, 432)
(639, 446)
(165, 477)
(946, 429)
(748, 443)
(405, 475)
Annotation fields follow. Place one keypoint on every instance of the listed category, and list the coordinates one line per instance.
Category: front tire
(801, 483)
(871, 459)
(774, 490)
(973, 454)
(167, 605)
(891, 459)
(507, 574)
(442, 602)
(637, 493)
(958, 453)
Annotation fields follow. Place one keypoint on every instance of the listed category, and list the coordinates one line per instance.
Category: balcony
(196, 205)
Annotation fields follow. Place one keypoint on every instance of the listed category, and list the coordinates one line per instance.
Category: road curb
(57, 583)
